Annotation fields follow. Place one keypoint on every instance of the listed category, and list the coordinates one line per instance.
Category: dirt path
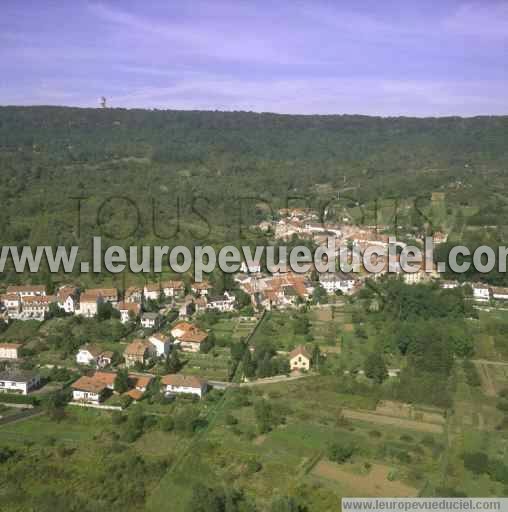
(277, 379)
(396, 422)
(487, 362)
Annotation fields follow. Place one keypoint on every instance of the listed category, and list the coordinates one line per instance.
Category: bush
(167, 423)
(125, 401)
(341, 452)
(403, 457)
(19, 399)
(6, 454)
(231, 420)
(471, 373)
(253, 466)
(476, 462)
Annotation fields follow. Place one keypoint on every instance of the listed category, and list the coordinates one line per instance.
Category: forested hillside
(162, 176)
(71, 134)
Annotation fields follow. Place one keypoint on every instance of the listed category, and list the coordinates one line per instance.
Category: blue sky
(430, 58)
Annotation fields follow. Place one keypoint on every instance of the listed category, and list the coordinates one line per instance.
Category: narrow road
(486, 361)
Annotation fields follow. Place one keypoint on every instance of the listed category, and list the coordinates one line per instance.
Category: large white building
(481, 292)
(26, 290)
(35, 307)
(19, 382)
(27, 302)
(222, 303)
(334, 281)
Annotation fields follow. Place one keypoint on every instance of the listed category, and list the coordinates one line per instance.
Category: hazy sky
(406, 57)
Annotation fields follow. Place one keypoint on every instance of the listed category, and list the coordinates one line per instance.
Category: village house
(68, 299)
(152, 291)
(183, 384)
(105, 359)
(198, 306)
(105, 294)
(448, 285)
(9, 350)
(35, 307)
(88, 390)
(439, 238)
(161, 343)
(12, 304)
(91, 355)
(188, 337)
(338, 281)
(139, 351)
(139, 382)
(90, 300)
(150, 320)
(481, 292)
(281, 290)
(138, 385)
(499, 293)
(106, 378)
(203, 288)
(19, 382)
(222, 303)
(88, 304)
(173, 289)
(133, 294)
(129, 311)
(88, 355)
(299, 359)
(191, 340)
(250, 268)
(181, 328)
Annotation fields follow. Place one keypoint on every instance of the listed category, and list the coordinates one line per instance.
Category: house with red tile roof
(139, 351)
(183, 384)
(88, 390)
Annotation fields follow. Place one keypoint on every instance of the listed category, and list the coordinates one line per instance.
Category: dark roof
(150, 315)
(18, 376)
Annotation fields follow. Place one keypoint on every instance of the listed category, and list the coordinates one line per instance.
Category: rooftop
(18, 375)
(179, 380)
